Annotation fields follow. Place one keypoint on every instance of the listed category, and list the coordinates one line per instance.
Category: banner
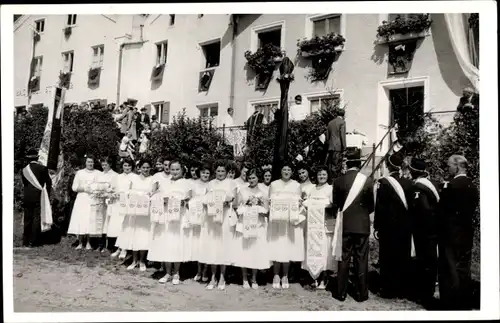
(50, 153)
(251, 222)
(316, 239)
(215, 205)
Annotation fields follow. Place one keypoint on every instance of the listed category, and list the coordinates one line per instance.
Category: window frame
(255, 31)
(171, 20)
(72, 18)
(69, 54)
(100, 56)
(42, 21)
(307, 98)
(204, 55)
(252, 105)
(160, 105)
(163, 52)
(208, 107)
(310, 19)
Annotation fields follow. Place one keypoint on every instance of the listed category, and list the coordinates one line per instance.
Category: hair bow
(267, 167)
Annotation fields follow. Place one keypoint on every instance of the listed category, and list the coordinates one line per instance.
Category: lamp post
(281, 139)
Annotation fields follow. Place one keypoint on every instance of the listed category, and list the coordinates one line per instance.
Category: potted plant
(323, 51)
(263, 62)
(94, 76)
(64, 79)
(157, 72)
(68, 30)
(404, 28)
(34, 84)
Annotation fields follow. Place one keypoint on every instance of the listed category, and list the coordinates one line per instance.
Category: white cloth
(285, 240)
(320, 195)
(252, 252)
(83, 220)
(170, 241)
(45, 208)
(113, 221)
(218, 238)
(457, 30)
(135, 229)
(298, 112)
(198, 191)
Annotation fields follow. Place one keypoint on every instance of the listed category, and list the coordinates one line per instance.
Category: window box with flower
(64, 79)
(401, 28)
(263, 62)
(323, 51)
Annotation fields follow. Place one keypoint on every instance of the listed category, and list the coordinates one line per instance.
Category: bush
(260, 149)
(188, 140)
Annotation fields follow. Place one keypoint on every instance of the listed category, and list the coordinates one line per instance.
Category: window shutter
(165, 113)
(148, 109)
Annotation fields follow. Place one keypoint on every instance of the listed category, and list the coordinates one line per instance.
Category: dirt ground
(57, 278)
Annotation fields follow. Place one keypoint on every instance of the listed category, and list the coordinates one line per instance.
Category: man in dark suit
(35, 175)
(458, 203)
(142, 121)
(392, 229)
(336, 143)
(423, 207)
(356, 226)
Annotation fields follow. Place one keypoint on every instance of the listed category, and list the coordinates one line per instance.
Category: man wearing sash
(37, 209)
(458, 203)
(353, 198)
(392, 229)
(423, 207)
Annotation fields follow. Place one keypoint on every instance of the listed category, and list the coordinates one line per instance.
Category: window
(161, 53)
(318, 103)
(162, 111)
(40, 25)
(212, 54)
(71, 20)
(326, 25)
(272, 37)
(37, 68)
(393, 16)
(407, 109)
(268, 109)
(97, 56)
(209, 111)
(172, 20)
(68, 58)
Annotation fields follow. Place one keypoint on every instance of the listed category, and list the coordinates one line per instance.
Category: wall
(357, 72)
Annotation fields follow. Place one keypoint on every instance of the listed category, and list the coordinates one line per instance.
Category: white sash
(45, 209)
(399, 190)
(427, 183)
(316, 238)
(357, 186)
(250, 222)
(215, 205)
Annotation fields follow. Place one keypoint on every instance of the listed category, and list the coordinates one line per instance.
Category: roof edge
(19, 22)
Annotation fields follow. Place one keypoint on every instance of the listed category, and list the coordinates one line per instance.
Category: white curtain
(455, 24)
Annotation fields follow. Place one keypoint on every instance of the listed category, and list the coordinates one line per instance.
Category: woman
(199, 190)
(113, 221)
(252, 251)
(286, 238)
(233, 171)
(218, 235)
(123, 185)
(168, 241)
(305, 182)
(135, 229)
(321, 194)
(241, 180)
(194, 173)
(267, 177)
(158, 166)
(84, 221)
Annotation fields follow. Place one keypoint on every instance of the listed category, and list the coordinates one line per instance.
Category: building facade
(212, 47)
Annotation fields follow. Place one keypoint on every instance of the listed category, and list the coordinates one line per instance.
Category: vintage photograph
(246, 162)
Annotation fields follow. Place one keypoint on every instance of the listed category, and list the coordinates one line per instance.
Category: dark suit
(336, 143)
(356, 232)
(32, 205)
(392, 221)
(455, 236)
(141, 119)
(423, 208)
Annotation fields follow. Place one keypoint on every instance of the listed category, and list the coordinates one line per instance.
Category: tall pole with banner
(50, 153)
(281, 140)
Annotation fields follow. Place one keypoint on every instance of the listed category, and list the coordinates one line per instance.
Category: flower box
(328, 45)
(403, 28)
(263, 62)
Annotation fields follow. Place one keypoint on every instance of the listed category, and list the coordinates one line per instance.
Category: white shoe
(165, 279)
(211, 285)
(132, 266)
(79, 247)
(123, 254)
(246, 285)
(142, 267)
(255, 286)
(176, 280)
(322, 285)
(197, 278)
(88, 247)
(284, 283)
(276, 282)
(222, 285)
(115, 254)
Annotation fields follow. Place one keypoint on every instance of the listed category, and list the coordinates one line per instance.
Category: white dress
(264, 189)
(218, 238)
(123, 184)
(135, 229)
(198, 191)
(167, 239)
(252, 252)
(82, 219)
(113, 223)
(325, 195)
(286, 240)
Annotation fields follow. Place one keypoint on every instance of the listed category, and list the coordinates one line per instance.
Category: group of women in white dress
(218, 239)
